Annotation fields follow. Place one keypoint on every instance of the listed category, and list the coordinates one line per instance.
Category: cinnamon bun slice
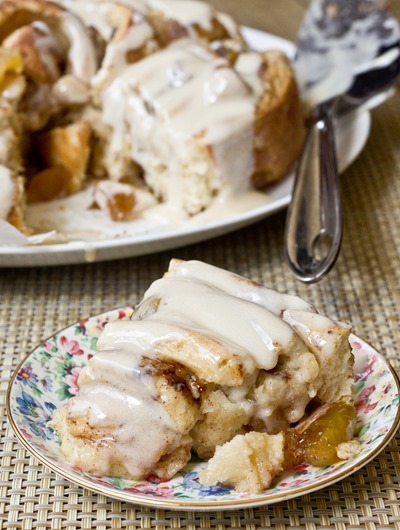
(250, 379)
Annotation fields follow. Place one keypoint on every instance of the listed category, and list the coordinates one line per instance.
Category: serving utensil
(348, 52)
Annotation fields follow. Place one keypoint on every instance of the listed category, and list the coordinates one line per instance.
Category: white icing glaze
(48, 46)
(251, 328)
(314, 328)
(163, 340)
(141, 6)
(120, 385)
(73, 217)
(248, 64)
(104, 17)
(115, 58)
(10, 236)
(81, 53)
(93, 14)
(71, 90)
(236, 285)
(8, 190)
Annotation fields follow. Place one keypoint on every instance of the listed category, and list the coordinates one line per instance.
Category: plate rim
(214, 503)
(80, 251)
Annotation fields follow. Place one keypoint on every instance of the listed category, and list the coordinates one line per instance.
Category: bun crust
(279, 122)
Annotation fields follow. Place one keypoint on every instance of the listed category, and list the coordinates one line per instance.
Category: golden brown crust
(62, 155)
(123, 19)
(11, 132)
(69, 148)
(167, 30)
(24, 40)
(279, 124)
(16, 216)
(16, 14)
(10, 158)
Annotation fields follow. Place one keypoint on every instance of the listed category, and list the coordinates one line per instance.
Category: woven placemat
(363, 288)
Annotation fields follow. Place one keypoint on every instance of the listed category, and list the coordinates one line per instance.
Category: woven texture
(363, 288)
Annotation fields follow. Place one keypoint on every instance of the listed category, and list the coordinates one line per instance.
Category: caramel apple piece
(63, 153)
(116, 199)
(317, 439)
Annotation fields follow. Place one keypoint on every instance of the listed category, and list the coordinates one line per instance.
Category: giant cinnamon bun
(160, 96)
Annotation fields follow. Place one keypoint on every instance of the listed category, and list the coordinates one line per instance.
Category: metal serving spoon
(314, 220)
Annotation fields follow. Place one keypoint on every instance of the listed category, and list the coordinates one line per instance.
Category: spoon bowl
(382, 74)
(314, 225)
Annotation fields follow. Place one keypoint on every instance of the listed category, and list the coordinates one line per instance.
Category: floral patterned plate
(47, 378)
